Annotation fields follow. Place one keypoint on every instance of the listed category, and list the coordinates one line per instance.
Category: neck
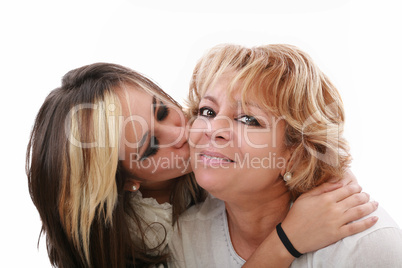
(250, 222)
(160, 190)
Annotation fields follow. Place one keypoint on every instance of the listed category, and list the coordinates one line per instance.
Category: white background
(356, 43)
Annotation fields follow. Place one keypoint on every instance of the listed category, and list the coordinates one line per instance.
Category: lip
(182, 145)
(180, 142)
(214, 157)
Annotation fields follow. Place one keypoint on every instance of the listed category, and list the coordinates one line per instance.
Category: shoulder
(155, 220)
(383, 239)
(378, 246)
(385, 221)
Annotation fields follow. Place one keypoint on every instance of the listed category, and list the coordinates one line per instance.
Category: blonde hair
(285, 81)
(87, 190)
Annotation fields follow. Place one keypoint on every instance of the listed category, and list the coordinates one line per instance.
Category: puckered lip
(215, 156)
(182, 144)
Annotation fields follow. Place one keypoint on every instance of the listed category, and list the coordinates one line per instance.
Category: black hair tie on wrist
(286, 242)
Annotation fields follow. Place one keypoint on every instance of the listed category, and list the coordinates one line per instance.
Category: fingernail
(375, 204)
(374, 218)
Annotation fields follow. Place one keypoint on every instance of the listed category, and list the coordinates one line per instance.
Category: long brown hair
(76, 180)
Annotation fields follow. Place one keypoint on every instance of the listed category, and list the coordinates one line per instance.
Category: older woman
(268, 127)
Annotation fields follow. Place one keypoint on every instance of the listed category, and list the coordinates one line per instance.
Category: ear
(132, 185)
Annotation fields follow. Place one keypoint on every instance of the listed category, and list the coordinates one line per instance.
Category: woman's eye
(163, 112)
(249, 120)
(152, 149)
(207, 112)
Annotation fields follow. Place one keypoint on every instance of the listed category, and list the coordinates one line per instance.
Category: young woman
(267, 128)
(108, 171)
(83, 153)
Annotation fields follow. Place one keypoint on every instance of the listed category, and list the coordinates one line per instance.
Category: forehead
(135, 100)
(130, 92)
(137, 108)
(236, 92)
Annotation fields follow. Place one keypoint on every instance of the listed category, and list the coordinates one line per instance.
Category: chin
(209, 182)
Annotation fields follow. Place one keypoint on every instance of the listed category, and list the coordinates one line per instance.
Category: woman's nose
(176, 117)
(172, 136)
(171, 132)
(221, 128)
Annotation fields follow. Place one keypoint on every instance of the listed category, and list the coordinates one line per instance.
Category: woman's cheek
(177, 116)
(196, 130)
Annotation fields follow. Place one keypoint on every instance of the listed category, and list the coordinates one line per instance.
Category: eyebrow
(247, 103)
(253, 104)
(210, 98)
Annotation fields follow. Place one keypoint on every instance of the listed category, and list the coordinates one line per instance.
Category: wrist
(296, 236)
(279, 251)
(270, 254)
(286, 242)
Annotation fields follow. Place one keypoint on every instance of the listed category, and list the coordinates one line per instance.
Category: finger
(348, 178)
(358, 226)
(354, 200)
(359, 212)
(324, 188)
(345, 191)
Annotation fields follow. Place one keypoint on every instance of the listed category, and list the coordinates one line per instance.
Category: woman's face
(153, 145)
(234, 152)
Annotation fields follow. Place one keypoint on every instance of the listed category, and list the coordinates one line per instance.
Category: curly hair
(284, 81)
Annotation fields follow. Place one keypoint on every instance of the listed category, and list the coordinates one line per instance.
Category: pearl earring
(134, 188)
(287, 177)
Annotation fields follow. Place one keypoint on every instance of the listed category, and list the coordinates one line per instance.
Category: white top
(204, 241)
(154, 215)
